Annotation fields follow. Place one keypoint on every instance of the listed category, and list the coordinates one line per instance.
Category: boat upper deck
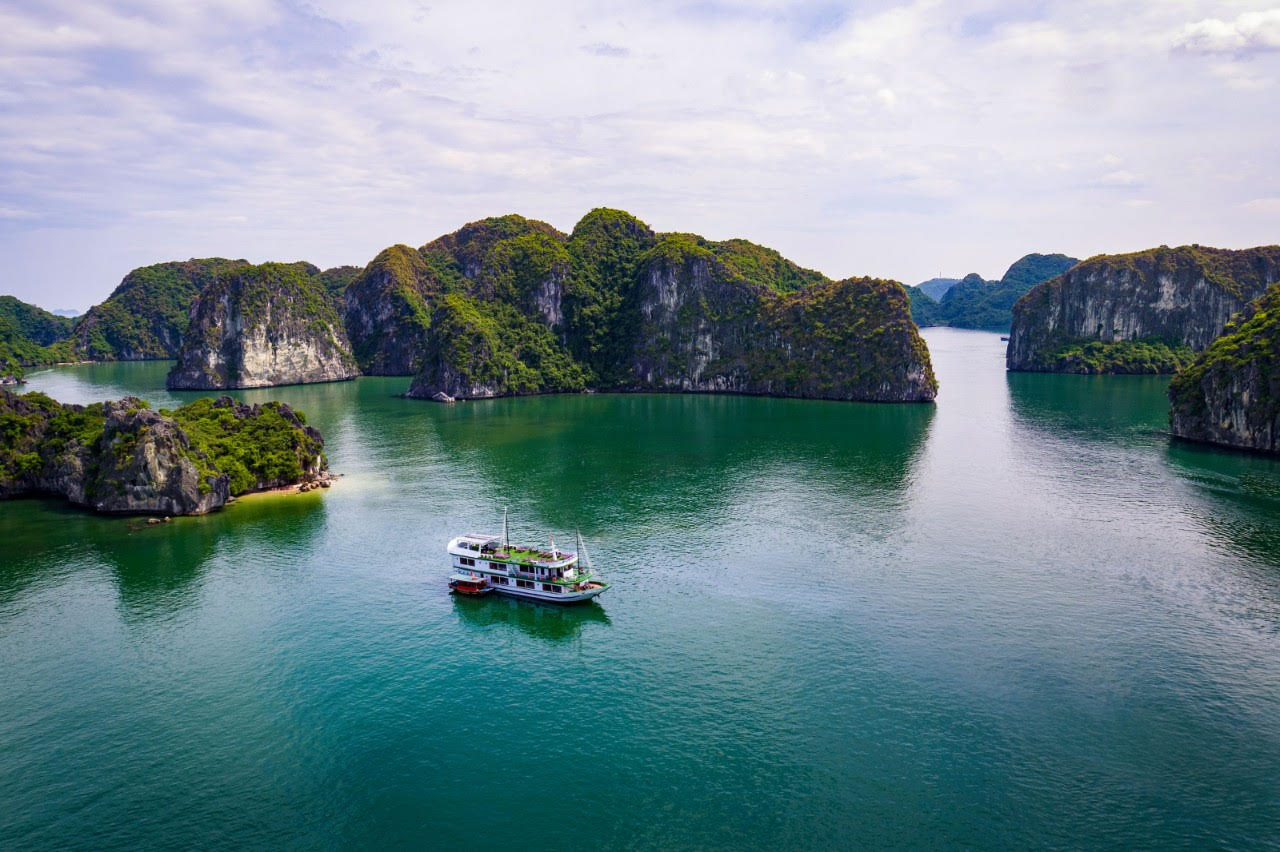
(490, 547)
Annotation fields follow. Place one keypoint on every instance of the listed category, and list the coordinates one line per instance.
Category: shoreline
(307, 487)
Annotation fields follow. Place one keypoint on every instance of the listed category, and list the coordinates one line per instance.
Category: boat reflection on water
(541, 620)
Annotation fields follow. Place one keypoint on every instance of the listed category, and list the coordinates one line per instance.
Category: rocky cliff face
(259, 326)
(706, 328)
(1166, 297)
(118, 457)
(388, 314)
(122, 458)
(1230, 394)
(145, 464)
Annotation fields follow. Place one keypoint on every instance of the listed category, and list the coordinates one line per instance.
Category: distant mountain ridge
(973, 302)
(935, 288)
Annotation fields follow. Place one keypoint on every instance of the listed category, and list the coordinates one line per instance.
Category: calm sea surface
(1018, 618)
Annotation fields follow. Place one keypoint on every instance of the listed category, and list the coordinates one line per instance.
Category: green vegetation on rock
(122, 457)
(1230, 394)
(144, 318)
(30, 337)
(599, 311)
(1123, 356)
(264, 446)
(34, 323)
(925, 310)
(762, 265)
(336, 280)
(35, 428)
(146, 315)
(1032, 269)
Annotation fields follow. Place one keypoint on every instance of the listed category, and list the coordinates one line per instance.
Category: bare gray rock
(260, 326)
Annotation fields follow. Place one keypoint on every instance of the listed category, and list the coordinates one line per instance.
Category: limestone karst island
(725, 426)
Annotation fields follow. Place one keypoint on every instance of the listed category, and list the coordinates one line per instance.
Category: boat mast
(584, 558)
(506, 530)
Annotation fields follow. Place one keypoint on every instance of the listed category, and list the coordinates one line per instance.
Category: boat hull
(548, 597)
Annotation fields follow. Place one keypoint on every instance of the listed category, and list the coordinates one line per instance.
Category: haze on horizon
(901, 140)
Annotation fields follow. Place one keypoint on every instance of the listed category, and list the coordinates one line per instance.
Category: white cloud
(1119, 177)
(1269, 206)
(894, 141)
(1250, 32)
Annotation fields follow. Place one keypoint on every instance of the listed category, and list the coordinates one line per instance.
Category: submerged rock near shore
(122, 458)
(510, 306)
(1146, 312)
(258, 326)
(1230, 395)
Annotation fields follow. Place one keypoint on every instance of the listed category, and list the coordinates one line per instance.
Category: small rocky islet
(123, 458)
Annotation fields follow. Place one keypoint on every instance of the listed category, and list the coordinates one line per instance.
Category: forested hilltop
(27, 334)
(972, 302)
(510, 305)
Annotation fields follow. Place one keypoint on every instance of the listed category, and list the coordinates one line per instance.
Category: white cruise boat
(551, 575)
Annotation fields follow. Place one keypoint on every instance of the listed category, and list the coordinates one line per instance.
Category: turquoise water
(1018, 618)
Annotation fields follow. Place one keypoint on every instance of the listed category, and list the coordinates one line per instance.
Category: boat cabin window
(463, 560)
(498, 581)
(497, 566)
(548, 587)
(524, 584)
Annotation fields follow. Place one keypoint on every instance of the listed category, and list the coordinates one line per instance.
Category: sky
(900, 140)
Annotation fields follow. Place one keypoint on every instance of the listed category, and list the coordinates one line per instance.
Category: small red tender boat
(465, 584)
